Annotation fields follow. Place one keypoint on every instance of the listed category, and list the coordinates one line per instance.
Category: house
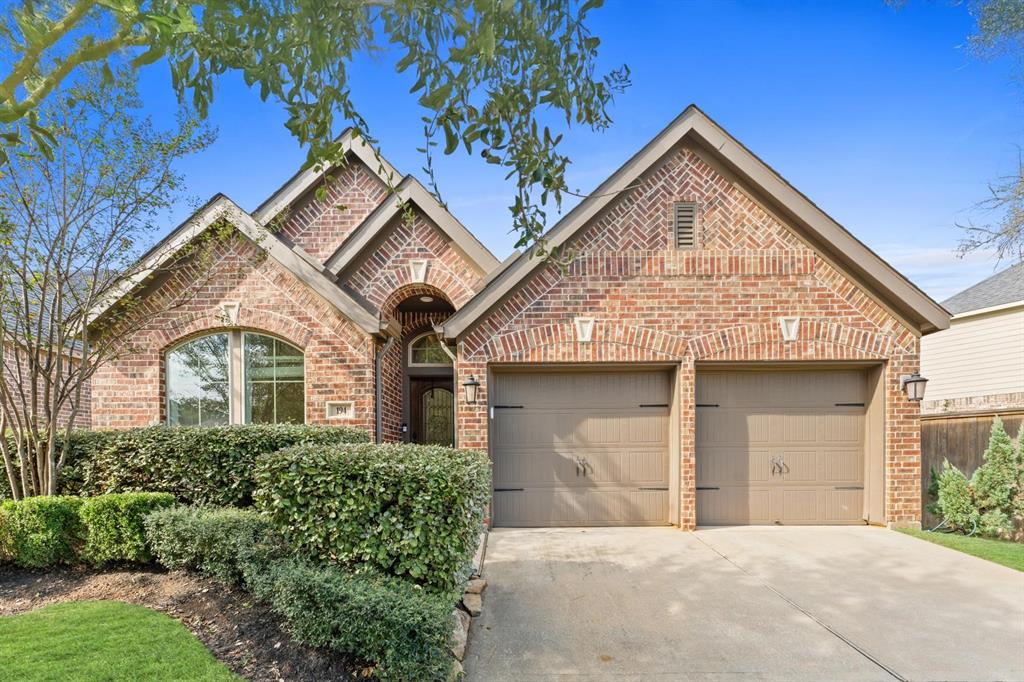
(718, 351)
(977, 365)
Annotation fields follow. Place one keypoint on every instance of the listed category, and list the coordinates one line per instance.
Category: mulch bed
(243, 634)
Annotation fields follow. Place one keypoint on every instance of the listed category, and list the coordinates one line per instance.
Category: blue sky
(878, 115)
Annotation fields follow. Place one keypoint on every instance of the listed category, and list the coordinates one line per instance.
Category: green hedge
(41, 531)
(409, 510)
(392, 624)
(213, 541)
(113, 526)
(199, 465)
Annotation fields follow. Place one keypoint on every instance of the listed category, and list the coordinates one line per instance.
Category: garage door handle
(707, 487)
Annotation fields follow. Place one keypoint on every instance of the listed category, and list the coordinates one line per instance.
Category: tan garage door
(780, 447)
(580, 449)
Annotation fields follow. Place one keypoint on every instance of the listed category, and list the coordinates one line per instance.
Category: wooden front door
(431, 407)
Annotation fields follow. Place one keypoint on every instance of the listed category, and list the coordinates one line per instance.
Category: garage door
(780, 447)
(580, 449)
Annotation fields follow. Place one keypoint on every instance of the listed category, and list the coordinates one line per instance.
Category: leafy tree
(72, 223)
(486, 71)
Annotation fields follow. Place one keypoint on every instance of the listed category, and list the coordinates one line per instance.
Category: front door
(431, 407)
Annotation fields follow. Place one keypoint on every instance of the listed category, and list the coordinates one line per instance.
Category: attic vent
(684, 224)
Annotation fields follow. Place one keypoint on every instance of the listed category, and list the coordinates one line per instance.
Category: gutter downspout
(377, 385)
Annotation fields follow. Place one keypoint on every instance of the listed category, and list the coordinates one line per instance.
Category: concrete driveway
(790, 603)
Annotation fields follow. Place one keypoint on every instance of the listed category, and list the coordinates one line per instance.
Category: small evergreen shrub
(210, 465)
(40, 531)
(114, 526)
(213, 541)
(392, 624)
(411, 511)
(992, 501)
(956, 500)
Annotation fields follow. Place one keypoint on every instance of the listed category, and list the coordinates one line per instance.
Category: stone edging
(470, 607)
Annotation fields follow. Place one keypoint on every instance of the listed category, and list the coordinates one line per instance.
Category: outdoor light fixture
(405, 427)
(913, 386)
(471, 385)
(427, 299)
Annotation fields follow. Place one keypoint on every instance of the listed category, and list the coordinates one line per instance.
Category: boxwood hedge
(114, 526)
(40, 531)
(413, 511)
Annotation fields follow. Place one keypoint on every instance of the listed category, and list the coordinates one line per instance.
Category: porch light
(471, 385)
(913, 386)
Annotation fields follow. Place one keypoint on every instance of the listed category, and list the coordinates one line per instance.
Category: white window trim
(236, 372)
(424, 364)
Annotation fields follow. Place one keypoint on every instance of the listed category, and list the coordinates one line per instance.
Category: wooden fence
(960, 439)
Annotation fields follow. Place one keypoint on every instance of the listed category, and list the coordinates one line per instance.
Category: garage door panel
(735, 505)
(781, 446)
(615, 422)
(843, 466)
(733, 465)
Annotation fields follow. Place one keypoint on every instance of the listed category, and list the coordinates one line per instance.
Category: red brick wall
(386, 270)
(718, 302)
(319, 226)
(338, 356)
(16, 379)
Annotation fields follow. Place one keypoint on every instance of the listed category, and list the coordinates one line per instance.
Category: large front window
(234, 378)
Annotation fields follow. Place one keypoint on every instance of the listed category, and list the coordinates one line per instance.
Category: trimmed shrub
(40, 531)
(390, 623)
(214, 541)
(198, 465)
(411, 511)
(113, 526)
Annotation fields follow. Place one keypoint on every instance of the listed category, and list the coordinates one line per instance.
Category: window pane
(274, 387)
(427, 350)
(289, 403)
(197, 382)
(259, 403)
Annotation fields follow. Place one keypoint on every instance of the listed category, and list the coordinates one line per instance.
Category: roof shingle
(999, 289)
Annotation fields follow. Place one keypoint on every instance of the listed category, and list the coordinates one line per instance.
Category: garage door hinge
(708, 405)
(707, 487)
(848, 487)
(849, 404)
(508, 490)
(653, 404)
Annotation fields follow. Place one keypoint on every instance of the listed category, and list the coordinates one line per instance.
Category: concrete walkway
(790, 603)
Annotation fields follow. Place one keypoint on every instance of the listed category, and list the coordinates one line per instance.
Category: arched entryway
(427, 370)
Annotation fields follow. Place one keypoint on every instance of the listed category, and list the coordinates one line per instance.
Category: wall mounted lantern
(913, 386)
(471, 385)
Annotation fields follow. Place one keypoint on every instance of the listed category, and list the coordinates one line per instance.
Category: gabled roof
(410, 189)
(694, 126)
(218, 208)
(1001, 289)
(301, 182)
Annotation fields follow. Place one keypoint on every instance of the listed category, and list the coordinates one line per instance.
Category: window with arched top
(426, 351)
(235, 377)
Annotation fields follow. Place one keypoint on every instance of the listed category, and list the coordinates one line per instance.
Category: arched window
(426, 351)
(233, 378)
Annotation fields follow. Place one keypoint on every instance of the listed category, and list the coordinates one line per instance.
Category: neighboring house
(718, 351)
(977, 365)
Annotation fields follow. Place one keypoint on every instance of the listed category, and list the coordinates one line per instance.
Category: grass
(102, 640)
(999, 551)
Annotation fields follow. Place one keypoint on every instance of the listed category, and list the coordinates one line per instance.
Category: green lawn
(1000, 551)
(102, 640)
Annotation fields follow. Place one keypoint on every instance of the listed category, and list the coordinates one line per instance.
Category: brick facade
(719, 301)
(652, 303)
